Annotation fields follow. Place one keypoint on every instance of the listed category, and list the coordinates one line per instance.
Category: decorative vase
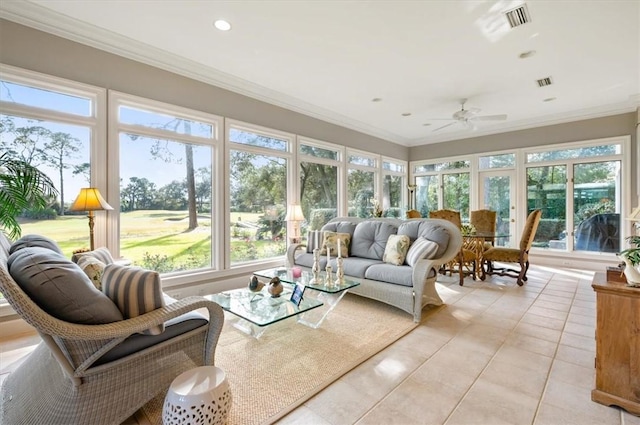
(275, 287)
(631, 272)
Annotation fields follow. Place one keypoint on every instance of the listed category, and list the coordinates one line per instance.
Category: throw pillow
(396, 249)
(93, 268)
(35, 240)
(421, 248)
(331, 241)
(314, 237)
(102, 254)
(135, 291)
(60, 288)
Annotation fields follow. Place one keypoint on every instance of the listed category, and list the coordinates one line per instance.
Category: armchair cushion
(34, 241)
(134, 290)
(60, 287)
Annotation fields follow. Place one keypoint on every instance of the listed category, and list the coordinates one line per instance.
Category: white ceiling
(329, 59)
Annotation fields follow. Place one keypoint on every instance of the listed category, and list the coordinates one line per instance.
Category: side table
(617, 345)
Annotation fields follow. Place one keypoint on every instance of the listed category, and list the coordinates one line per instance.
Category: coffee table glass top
(260, 308)
(286, 275)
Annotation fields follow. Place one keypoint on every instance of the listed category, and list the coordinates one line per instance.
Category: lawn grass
(159, 239)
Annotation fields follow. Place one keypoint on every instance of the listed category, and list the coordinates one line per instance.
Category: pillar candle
(339, 252)
(328, 255)
(317, 236)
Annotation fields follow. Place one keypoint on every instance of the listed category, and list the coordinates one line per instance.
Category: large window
(443, 185)
(166, 169)
(579, 192)
(362, 171)
(319, 170)
(393, 188)
(258, 182)
(53, 125)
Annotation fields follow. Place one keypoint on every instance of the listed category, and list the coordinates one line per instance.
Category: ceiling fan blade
(490, 117)
(445, 126)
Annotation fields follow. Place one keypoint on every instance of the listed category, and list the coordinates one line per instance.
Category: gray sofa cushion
(390, 273)
(306, 260)
(60, 287)
(354, 266)
(34, 240)
(370, 239)
(428, 230)
(340, 227)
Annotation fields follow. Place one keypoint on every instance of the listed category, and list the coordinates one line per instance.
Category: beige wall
(35, 50)
(596, 128)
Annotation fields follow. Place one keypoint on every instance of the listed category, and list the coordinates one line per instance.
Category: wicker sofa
(407, 287)
(98, 373)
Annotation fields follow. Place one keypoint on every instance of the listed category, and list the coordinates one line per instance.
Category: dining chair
(414, 214)
(484, 221)
(513, 255)
(466, 257)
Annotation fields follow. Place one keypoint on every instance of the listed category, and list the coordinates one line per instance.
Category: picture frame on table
(296, 295)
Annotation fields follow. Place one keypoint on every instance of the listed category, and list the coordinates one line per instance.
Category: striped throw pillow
(135, 291)
(419, 249)
(101, 254)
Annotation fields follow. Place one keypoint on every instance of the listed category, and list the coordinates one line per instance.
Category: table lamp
(90, 200)
(294, 215)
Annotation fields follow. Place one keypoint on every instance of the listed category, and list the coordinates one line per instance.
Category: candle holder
(315, 268)
(339, 272)
(328, 280)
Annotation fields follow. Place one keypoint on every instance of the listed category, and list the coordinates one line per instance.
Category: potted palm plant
(22, 186)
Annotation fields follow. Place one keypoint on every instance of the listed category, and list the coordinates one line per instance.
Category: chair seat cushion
(502, 254)
(60, 287)
(172, 328)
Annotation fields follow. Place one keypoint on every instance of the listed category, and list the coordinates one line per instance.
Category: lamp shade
(90, 199)
(294, 213)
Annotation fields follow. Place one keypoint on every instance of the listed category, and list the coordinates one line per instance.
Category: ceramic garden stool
(198, 396)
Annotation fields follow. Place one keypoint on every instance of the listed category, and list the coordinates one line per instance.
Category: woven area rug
(290, 363)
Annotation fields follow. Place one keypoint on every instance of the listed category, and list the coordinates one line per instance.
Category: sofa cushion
(397, 275)
(306, 260)
(370, 239)
(428, 229)
(354, 266)
(421, 248)
(60, 287)
(34, 241)
(134, 290)
(332, 240)
(340, 227)
(396, 249)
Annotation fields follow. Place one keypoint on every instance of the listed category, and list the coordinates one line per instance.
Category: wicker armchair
(513, 255)
(66, 379)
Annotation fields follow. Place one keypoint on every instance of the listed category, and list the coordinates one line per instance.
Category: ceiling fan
(466, 117)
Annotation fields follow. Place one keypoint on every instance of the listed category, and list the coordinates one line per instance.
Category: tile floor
(495, 353)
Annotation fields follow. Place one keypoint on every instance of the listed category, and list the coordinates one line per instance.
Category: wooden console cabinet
(617, 345)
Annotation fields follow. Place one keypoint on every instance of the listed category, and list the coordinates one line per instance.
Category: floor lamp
(90, 200)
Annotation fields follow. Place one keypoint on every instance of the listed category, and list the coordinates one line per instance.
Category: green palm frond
(22, 186)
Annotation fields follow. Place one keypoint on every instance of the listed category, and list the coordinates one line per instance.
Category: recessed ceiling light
(376, 99)
(427, 124)
(527, 54)
(550, 99)
(406, 114)
(222, 25)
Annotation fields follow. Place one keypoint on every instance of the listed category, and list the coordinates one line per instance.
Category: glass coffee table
(328, 296)
(255, 311)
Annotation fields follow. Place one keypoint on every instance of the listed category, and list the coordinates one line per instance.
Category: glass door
(497, 193)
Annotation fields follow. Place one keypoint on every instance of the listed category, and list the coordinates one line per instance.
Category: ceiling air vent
(518, 16)
(544, 82)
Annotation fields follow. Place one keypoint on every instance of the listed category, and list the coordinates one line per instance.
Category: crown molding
(35, 16)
